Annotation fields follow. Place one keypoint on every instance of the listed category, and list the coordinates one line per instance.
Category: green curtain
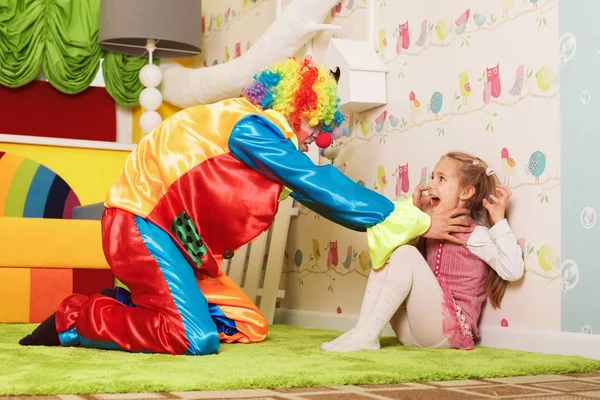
(62, 37)
(121, 75)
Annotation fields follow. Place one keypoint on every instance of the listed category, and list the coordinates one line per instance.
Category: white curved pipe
(184, 87)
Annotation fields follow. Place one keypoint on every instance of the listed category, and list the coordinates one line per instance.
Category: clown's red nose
(323, 140)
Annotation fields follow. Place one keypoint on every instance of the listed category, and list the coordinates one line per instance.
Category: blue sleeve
(260, 144)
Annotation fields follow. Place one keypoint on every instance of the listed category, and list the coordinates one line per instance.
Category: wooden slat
(254, 268)
(236, 267)
(276, 250)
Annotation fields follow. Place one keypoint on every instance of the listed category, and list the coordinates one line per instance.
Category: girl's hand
(420, 200)
(497, 209)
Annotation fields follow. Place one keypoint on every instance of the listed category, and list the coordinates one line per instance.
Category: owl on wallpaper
(493, 76)
(402, 182)
(332, 256)
(403, 40)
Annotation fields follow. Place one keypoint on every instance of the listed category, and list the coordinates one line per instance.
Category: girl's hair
(298, 89)
(475, 172)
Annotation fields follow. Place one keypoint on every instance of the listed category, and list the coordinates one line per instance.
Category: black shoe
(44, 335)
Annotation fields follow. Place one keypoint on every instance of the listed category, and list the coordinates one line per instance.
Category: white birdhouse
(360, 72)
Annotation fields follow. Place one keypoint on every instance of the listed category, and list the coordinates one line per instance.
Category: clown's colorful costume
(204, 183)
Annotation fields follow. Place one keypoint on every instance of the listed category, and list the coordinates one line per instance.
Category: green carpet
(290, 357)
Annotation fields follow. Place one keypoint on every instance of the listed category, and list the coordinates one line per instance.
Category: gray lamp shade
(175, 25)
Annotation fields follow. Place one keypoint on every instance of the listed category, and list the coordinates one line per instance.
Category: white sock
(395, 289)
(372, 291)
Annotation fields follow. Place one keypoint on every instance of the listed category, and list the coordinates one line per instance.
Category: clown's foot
(357, 341)
(44, 335)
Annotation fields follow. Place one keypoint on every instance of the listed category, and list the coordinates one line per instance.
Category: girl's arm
(499, 249)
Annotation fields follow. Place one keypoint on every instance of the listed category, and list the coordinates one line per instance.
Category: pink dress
(462, 277)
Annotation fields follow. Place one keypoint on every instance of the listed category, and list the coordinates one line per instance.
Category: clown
(204, 183)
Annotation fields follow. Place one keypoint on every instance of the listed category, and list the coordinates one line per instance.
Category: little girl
(433, 296)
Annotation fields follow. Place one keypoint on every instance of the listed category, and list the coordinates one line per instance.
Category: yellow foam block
(51, 243)
(14, 296)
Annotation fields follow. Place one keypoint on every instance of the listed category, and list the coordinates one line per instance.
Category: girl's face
(445, 191)
(306, 134)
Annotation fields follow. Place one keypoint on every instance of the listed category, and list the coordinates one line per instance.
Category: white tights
(404, 293)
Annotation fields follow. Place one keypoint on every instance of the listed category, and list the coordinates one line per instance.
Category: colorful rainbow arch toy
(30, 190)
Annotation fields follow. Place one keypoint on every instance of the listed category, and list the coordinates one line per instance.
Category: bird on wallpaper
(479, 19)
(415, 106)
(364, 125)
(394, 121)
(464, 85)
(423, 35)
(342, 167)
(461, 22)
(332, 256)
(546, 78)
(382, 40)
(508, 165)
(238, 50)
(381, 177)
(547, 258)
(331, 152)
(518, 86)
(506, 6)
(442, 30)
(493, 76)
(316, 249)
(537, 165)
(424, 176)
(350, 5)
(350, 124)
(403, 39)
(534, 2)
(226, 53)
(380, 121)
(337, 9)
(487, 92)
(437, 100)
(402, 181)
(210, 24)
(227, 14)
(349, 255)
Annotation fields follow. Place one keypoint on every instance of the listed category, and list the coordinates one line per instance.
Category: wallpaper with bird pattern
(475, 76)
(468, 75)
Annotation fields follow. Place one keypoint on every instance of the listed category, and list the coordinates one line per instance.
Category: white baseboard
(547, 342)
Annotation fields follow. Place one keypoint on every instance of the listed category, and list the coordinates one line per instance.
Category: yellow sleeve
(404, 224)
(285, 193)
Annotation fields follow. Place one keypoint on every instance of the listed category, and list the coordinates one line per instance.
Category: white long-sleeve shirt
(498, 247)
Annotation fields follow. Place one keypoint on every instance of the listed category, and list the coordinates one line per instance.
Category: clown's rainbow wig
(298, 89)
